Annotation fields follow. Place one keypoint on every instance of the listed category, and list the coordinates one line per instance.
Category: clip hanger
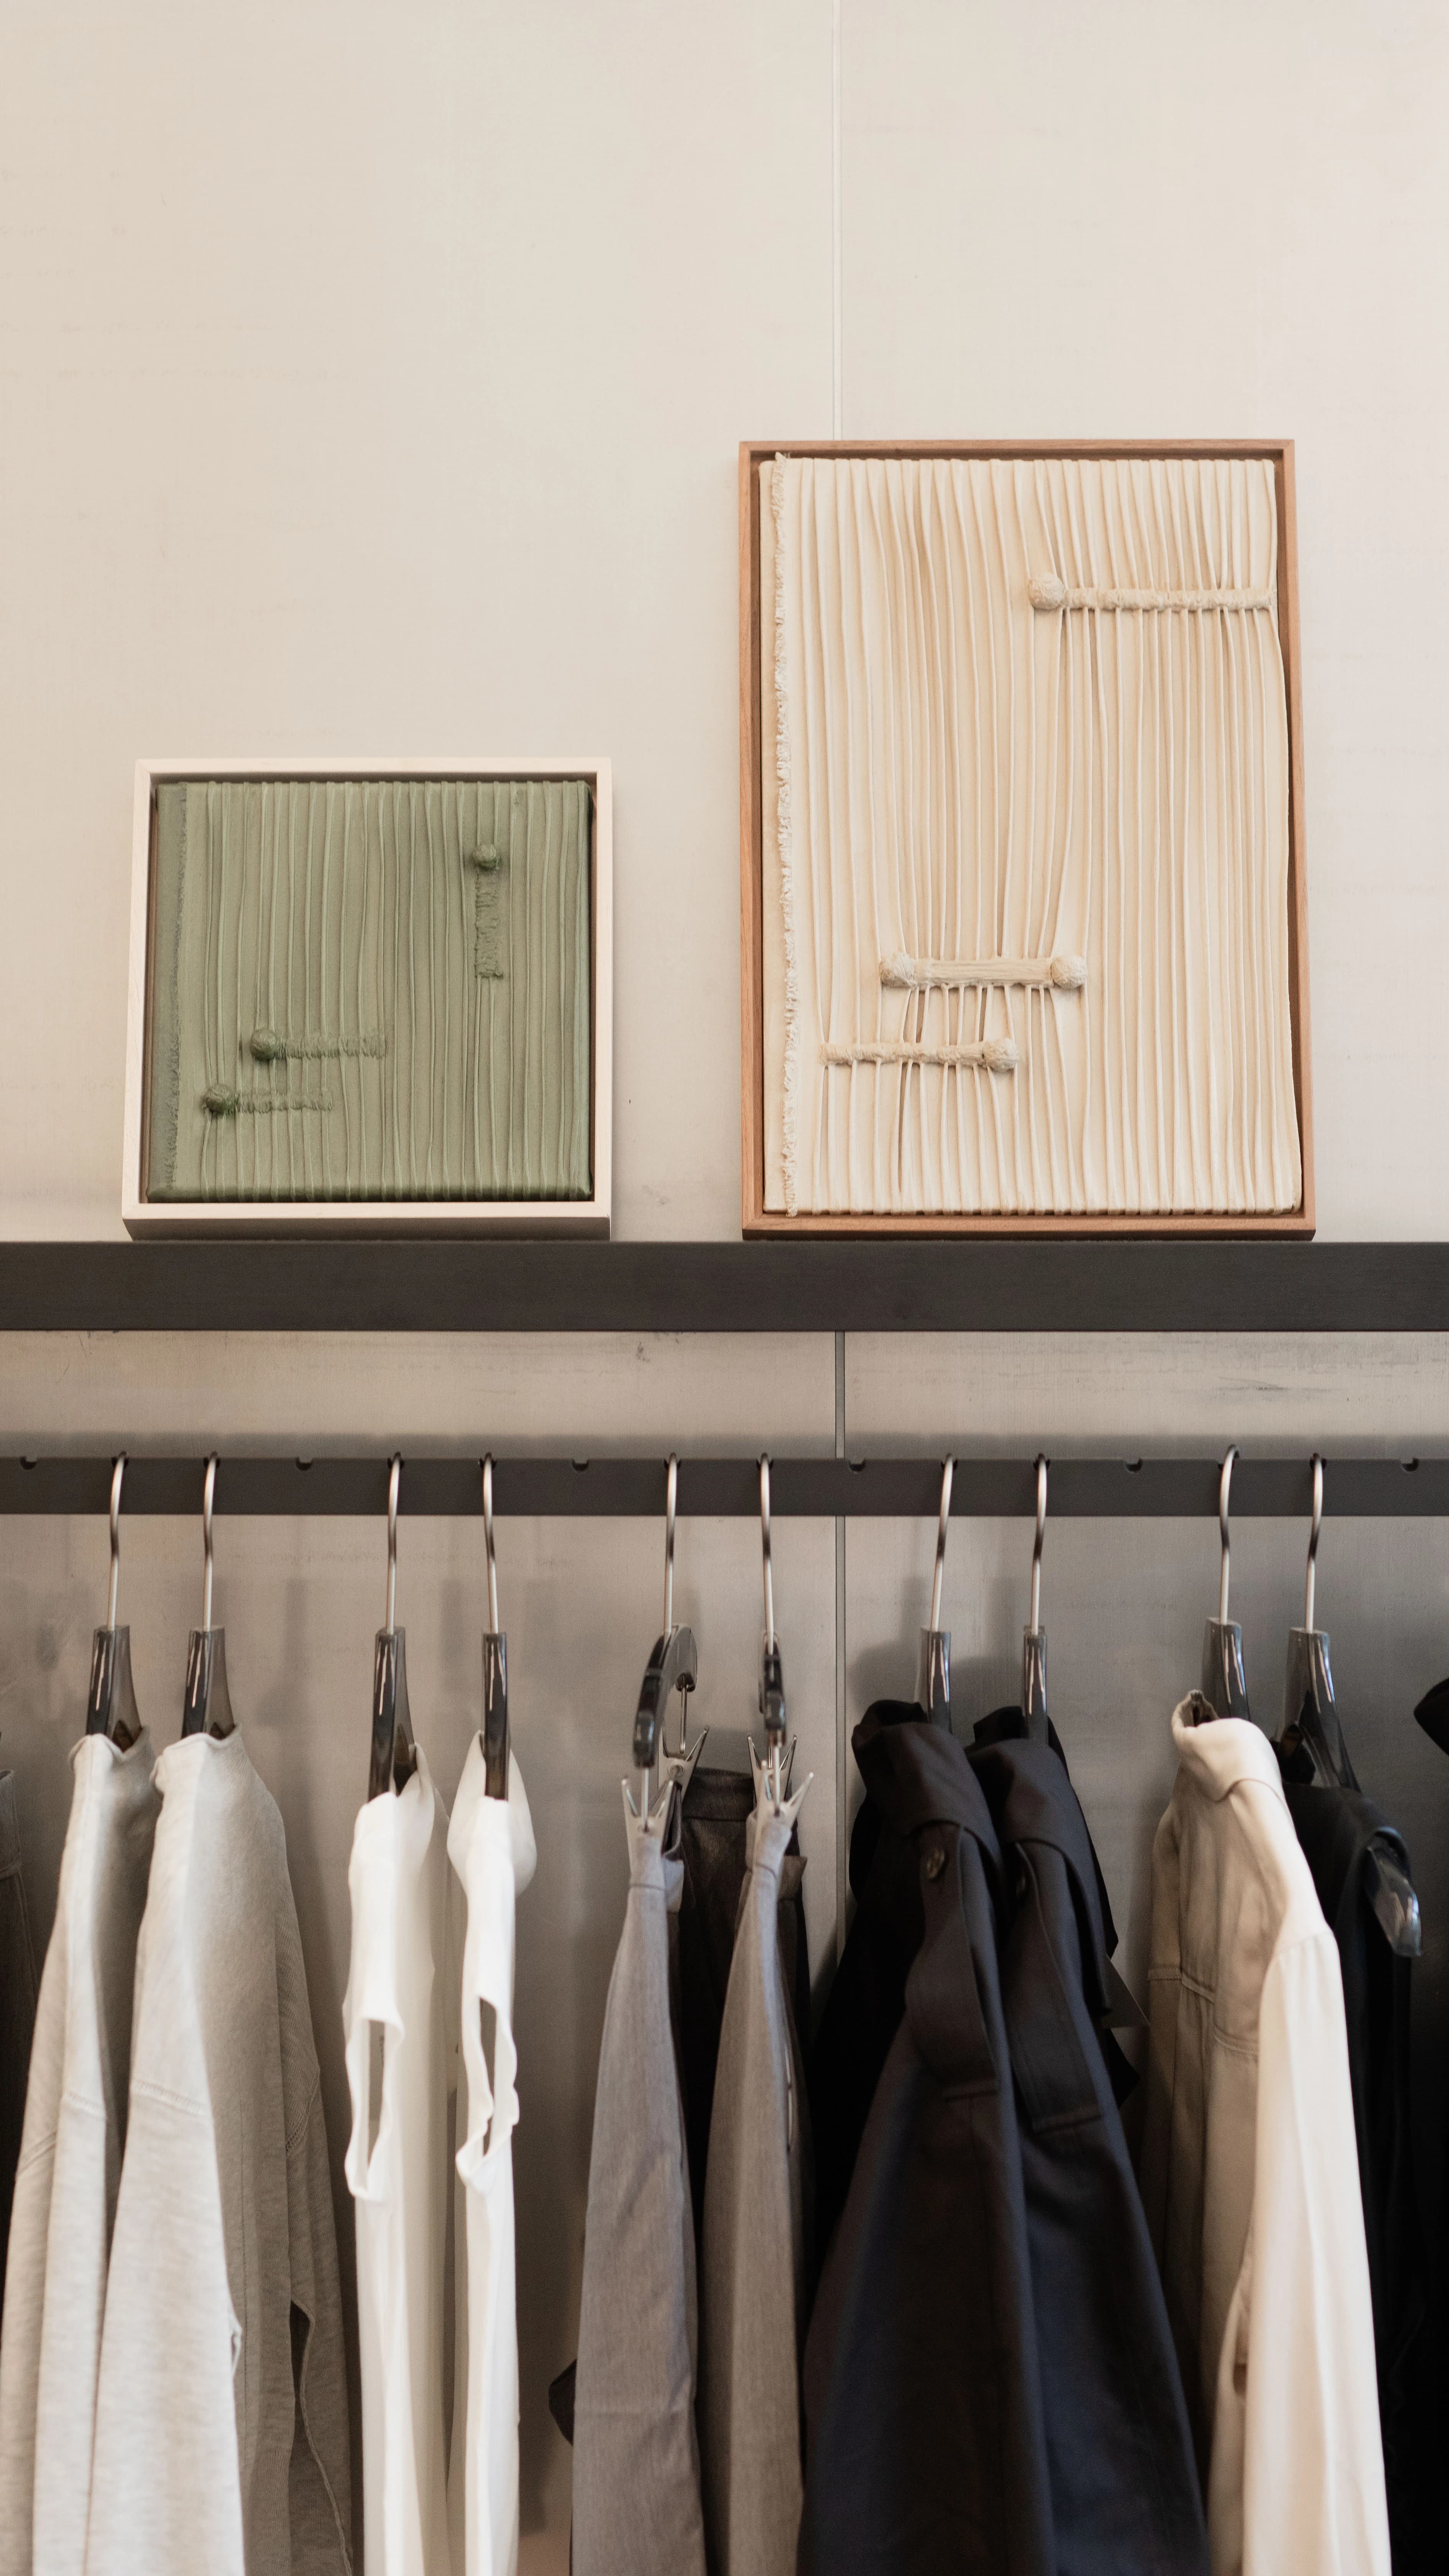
(111, 1698)
(394, 1753)
(772, 1776)
(1224, 1681)
(933, 1662)
(206, 1706)
(1033, 1640)
(495, 1663)
(673, 1666)
(1315, 1751)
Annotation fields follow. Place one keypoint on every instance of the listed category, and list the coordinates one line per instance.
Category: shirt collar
(1223, 1750)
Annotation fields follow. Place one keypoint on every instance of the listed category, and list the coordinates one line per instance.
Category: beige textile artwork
(1025, 801)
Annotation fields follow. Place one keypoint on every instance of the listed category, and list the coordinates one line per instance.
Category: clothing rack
(825, 1488)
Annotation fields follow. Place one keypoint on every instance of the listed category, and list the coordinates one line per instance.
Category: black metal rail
(728, 1488)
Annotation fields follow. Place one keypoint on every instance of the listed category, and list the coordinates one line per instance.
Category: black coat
(925, 2447)
(1124, 2484)
(868, 1994)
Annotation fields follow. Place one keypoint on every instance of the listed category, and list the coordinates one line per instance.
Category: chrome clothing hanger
(394, 1754)
(206, 1707)
(111, 1699)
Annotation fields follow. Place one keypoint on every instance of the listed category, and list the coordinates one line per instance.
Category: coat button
(935, 1861)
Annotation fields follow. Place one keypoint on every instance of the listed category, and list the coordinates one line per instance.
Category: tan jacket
(1250, 2174)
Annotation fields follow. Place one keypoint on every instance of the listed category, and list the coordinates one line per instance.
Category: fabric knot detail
(1050, 592)
(996, 1055)
(1066, 974)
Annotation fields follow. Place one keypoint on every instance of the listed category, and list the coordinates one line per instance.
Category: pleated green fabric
(371, 989)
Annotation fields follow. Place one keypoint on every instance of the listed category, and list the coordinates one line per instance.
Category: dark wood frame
(756, 1219)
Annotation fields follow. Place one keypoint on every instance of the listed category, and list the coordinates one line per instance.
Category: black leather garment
(1335, 1827)
(926, 2453)
(1124, 2483)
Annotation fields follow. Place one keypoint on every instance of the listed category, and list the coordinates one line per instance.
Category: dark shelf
(410, 1287)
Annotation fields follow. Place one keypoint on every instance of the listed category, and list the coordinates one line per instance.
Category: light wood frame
(756, 1218)
(335, 1217)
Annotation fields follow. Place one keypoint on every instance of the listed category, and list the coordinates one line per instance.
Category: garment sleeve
(1297, 2391)
(165, 2485)
(320, 2482)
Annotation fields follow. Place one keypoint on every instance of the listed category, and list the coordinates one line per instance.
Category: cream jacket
(1250, 2174)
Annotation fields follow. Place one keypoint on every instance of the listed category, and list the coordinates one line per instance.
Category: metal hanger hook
(765, 1546)
(1036, 1545)
(1225, 1487)
(938, 1579)
(208, 1503)
(114, 1596)
(1317, 1465)
(671, 1499)
(394, 1480)
(488, 1547)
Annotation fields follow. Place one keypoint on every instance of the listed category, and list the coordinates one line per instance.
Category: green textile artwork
(371, 989)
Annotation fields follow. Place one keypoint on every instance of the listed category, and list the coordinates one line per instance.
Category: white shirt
(70, 2161)
(1250, 2173)
(221, 2407)
(491, 1847)
(402, 1982)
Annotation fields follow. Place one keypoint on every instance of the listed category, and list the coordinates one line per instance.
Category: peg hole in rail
(1133, 1466)
(28, 1463)
(1410, 1466)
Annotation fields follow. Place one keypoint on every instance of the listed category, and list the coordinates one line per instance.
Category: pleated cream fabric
(1026, 837)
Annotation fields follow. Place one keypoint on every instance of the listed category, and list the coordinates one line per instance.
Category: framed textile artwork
(1024, 935)
(370, 997)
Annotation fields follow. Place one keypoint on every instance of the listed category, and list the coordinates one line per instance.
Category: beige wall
(370, 382)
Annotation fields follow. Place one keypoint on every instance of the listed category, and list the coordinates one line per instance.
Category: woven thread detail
(989, 1055)
(1051, 593)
